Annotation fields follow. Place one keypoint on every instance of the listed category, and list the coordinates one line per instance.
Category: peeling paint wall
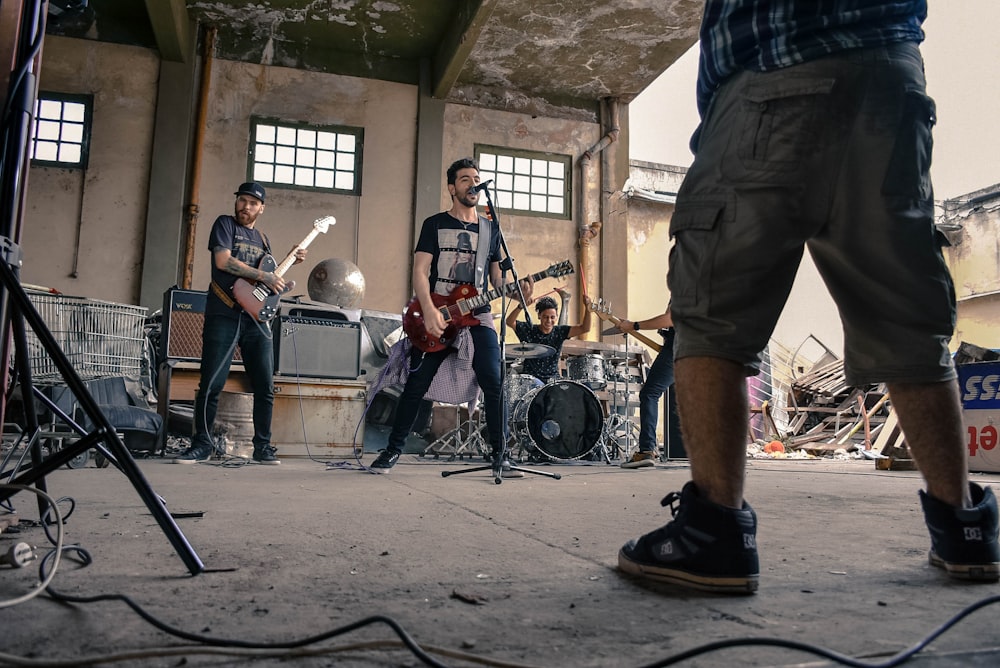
(106, 205)
(974, 260)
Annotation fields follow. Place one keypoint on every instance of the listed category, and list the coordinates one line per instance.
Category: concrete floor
(521, 573)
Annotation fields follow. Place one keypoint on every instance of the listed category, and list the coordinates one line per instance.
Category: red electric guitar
(257, 298)
(457, 309)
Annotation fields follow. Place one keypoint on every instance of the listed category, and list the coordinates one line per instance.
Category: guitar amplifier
(317, 347)
(183, 320)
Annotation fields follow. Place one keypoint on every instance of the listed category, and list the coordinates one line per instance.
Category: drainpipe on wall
(590, 209)
(194, 195)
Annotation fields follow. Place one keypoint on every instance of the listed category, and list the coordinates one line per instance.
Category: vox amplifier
(183, 320)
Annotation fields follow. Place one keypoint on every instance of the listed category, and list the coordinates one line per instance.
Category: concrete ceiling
(556, 58)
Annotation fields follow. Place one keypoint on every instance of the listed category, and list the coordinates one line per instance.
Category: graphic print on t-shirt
(457, 259)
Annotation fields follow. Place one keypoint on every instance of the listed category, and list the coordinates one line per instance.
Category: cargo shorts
(832, 155)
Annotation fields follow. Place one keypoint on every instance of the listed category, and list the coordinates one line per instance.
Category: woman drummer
(547, 333)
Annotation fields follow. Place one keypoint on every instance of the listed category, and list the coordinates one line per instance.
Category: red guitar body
(457, 308)
(413, 319)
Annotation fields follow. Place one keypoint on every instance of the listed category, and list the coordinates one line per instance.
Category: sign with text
(979, 384)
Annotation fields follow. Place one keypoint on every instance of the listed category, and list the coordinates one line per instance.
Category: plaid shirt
(455, 381)
(764, 35)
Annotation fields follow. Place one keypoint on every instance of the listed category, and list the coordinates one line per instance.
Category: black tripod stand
(16, 308)
(501, 461)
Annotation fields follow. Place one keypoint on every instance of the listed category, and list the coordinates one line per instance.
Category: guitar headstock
(561, 269)
(600, 307)
(321, 225)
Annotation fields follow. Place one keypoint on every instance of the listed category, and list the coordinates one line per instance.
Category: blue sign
(979, 384)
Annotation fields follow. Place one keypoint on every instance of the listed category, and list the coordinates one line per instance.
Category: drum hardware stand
(454, 439)
(617, 422)
(507, 264)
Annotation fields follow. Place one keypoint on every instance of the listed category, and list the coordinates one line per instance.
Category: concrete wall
(93, 221)
(375, 230)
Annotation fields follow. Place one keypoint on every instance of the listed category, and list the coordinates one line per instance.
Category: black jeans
(486, 365)
(219, 338)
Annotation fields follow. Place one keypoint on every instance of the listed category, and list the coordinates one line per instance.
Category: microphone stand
(507, 264)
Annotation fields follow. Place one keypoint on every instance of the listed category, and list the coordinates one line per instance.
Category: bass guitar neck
(605, 314)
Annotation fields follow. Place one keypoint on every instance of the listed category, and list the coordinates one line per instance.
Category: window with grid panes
(307, 157)
(527, 182)
(61, 134)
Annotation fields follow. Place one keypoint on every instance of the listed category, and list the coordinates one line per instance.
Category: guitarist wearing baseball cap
(237, 248)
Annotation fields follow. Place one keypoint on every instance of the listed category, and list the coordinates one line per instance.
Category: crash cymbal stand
(467, 434)
(619, 427)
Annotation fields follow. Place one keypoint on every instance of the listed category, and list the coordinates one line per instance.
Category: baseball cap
(252, 189)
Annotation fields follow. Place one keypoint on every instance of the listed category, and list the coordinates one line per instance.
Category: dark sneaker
(640, 459)
(265, 455)
(964, 540)
(195, 454)
(386, 459)
(707, 546)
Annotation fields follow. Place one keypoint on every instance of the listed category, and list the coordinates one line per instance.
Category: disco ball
(338, 282)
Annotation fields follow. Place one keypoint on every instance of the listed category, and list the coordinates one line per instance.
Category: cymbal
(611, 331)
(528, 350)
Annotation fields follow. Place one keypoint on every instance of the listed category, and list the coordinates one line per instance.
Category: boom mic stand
(16, 307)
(507, 264)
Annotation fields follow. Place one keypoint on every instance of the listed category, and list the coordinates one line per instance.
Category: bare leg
(712, 402)
(930, 415)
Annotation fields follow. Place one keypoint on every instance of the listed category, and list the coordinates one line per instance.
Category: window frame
(498, 185)
(254, 145)
(87, 101)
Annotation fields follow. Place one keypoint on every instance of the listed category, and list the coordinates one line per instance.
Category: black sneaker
(964, 540)
(707, 546)
(195, 454)
(265, 455)
(386, 459)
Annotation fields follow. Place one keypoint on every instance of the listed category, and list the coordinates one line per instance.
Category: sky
(961, 56)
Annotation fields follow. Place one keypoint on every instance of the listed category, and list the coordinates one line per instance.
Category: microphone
(481, 187)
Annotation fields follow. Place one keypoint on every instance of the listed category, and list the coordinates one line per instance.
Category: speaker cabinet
(183, 320)
(317, 347)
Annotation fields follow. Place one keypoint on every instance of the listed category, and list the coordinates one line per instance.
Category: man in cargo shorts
(815, 132)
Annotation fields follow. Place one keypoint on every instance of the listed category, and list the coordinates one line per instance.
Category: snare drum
(517, 385)
(562, 420)
(587, 369)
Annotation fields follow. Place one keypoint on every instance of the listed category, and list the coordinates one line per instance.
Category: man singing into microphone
(448, 240)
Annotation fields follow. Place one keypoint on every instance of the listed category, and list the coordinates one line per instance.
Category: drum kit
(559, 421)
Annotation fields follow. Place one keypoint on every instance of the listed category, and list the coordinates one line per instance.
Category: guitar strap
(221, 294)
(483, 253)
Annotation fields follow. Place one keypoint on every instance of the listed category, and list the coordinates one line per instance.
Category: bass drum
(562, 420)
